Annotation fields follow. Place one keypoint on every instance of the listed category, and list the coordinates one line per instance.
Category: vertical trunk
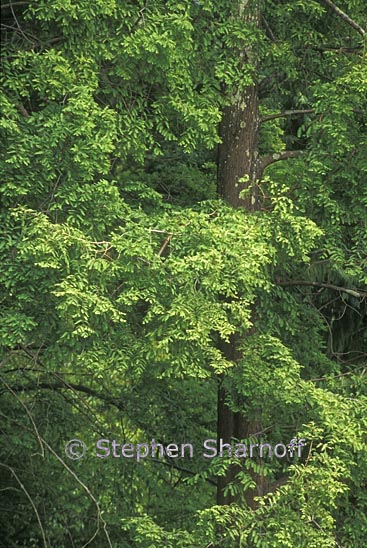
(238, 155)
(238, 158)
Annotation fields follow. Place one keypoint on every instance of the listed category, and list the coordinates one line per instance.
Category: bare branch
(164, 245)
(181, 469)
(12, 471)
(352, 292)
(286, 113)
(296, 112)
(101, 523)
(345, 17)
(277, 157)
(11, 390)
(340, 49)
(268, 28)
(100, 518)
(13, 5)
(63, 385)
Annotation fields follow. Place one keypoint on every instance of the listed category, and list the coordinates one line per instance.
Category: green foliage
(123, 274)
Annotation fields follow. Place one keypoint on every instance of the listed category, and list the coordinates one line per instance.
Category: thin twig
(91, 496)
(11, 390)
(100, 519)
(181, 469)
(326, 532)
(18, 25)
(30, 500)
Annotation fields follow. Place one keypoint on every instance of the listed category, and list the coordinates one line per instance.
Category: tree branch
(277, 157)
(339, 49)
(286, 113)
(23, 111)
(268, 28)
(165, 244)
(13, 5)
(21, 485)
(81, 388)
(345, 17)
(182, 469)
(63, 385)
(352, 292)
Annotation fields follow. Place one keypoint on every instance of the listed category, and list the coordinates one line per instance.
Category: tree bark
(238, 155)
(238, 169)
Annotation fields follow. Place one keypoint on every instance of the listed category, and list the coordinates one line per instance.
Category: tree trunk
(238, 154)
(238, 168)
